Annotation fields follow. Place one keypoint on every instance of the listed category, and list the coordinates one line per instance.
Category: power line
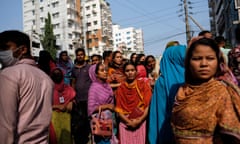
(150, 13)
(161, 39)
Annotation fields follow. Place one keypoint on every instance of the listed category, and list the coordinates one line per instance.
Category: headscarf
(128, 97)
(99, 92)
(166, 86)
(67, 68)
(234, 62)
(61, 89)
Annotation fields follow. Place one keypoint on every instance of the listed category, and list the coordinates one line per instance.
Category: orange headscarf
(130, 96)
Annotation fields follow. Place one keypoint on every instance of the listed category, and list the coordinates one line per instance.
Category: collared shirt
(25, 103)
(83, 81)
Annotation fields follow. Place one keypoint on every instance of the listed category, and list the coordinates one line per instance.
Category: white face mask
(7, 59)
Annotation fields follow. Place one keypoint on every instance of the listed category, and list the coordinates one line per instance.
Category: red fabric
(52, 135)
(128, 97)
(52, 65)
(142, 72)
(115, 75)
(63, 90)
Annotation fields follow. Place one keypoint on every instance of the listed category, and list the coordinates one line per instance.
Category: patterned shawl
(199, 110)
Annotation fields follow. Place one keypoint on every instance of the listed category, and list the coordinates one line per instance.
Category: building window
(70, 25)
(41, 9)
(32, 2)
(95, 22)
(41, 0)
(128, 38)
(70, 47)
(70, 36)
(55, 4)
(88, 32)
(128, 32)
(35, 44)
(56, 26)
(33, 22)
(33, 12)
(55, 15)
(94, 5)
(41, 19)
(89, 41)
(89, 24)
(88, 8)
(57, 36)
(88, 15)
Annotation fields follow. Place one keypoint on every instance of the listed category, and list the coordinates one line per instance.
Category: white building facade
(66, 20)
(97, 26)
(128, 40)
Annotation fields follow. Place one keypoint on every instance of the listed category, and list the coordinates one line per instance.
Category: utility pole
(188, 35)
(199, 26)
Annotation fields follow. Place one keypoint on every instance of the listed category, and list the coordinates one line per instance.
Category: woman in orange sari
(132, 102)
(206, 109)
(115, 70)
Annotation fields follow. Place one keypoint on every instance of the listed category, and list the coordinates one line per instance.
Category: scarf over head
(63, 90)
(166, 86)
(99, 92)
(131, 96)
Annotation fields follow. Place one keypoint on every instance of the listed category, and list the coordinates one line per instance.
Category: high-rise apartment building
(224, 17)
(128, 40)
(97, 26)
(76, 23)
(66, 20)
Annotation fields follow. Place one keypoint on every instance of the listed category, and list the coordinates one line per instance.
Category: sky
(160, 20)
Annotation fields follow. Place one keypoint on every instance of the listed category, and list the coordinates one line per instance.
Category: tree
(48, 40)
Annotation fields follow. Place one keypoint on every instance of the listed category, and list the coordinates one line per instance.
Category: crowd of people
(191, 97)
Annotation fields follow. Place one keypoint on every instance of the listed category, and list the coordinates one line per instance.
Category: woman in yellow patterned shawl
(206, 110)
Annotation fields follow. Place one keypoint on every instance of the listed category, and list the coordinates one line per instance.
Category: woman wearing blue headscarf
(172, 76)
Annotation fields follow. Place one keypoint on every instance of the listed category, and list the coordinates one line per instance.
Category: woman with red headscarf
(132, 102)
(60, 128)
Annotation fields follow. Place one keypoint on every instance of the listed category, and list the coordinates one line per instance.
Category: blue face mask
(7, 59)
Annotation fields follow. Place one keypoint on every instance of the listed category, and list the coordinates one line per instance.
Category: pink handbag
(100, 126)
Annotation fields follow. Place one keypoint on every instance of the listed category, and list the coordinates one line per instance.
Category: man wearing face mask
(25, 92)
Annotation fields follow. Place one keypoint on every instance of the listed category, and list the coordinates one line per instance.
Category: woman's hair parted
(128, 63)
(207, 42)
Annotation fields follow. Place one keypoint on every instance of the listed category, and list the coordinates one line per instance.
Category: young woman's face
(142, 59)
(64, 57)
(134, 58)
(102, 73)
(203, 63)
(118, 58)
(151, 62)
(130, 72)
(95, 60)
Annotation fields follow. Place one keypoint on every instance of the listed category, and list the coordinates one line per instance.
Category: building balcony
(71, 6)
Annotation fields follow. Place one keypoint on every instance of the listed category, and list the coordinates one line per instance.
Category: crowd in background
(192, 96)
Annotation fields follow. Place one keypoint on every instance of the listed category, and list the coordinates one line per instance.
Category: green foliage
(48, 40)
